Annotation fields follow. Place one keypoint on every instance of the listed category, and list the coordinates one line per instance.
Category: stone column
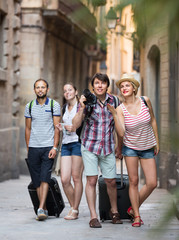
(31, 63)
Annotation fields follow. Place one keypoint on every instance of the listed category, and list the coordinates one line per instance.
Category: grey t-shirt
(42, 128)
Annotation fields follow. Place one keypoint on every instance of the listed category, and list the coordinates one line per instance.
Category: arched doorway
(153, 82)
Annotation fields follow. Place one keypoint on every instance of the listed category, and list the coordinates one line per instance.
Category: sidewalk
(18, 219)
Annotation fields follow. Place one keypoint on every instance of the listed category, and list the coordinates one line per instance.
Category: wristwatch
(55, 148)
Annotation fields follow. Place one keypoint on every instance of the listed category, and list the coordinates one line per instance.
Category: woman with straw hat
(140, 141)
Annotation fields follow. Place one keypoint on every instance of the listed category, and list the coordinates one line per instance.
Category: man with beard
(42, 138)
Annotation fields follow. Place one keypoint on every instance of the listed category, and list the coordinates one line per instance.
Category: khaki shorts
(92, 162)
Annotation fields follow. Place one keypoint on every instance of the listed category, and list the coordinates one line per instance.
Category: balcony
(71, 20)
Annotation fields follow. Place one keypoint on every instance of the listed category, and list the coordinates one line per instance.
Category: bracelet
(55, 149)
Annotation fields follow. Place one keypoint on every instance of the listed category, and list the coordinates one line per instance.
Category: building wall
(9, 88)
(126, 42)
(46, 53)
(37, 40)
(120, 48)
(157, 42)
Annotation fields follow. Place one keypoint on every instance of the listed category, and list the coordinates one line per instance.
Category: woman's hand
(156, 149)
(112, 109)
(118, 153)
(70, 128)
(59, 126)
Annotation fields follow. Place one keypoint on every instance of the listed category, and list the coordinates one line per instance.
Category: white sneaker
(46, 213)
(41, 215)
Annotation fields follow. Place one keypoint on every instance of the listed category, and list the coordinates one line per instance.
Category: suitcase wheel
(57, 215)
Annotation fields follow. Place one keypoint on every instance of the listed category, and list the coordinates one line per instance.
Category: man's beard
(41, 96)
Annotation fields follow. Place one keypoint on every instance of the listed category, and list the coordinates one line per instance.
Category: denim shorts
(129, 152)
(71, 149)
(106, 163)
(40, 166)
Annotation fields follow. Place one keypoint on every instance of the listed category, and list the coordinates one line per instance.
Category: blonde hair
(135, 88)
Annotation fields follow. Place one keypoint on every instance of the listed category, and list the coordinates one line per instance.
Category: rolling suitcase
(54, 202)
(123, 201)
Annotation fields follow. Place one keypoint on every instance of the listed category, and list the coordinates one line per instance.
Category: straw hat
(129, 78)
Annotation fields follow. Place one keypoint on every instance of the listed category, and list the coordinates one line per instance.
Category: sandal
(132, 215)
(137, 224)
(94, 223)
(115, 217)
(129, 212)
(72, 215)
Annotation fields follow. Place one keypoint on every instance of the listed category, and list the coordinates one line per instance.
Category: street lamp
(111, 18)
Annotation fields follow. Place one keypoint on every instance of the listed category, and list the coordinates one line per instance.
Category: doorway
(153, 82)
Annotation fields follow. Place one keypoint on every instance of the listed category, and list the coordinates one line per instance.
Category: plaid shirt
(98, 132)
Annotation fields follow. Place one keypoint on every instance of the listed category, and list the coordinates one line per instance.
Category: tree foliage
(148, 13)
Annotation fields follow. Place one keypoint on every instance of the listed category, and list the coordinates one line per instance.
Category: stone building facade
(9, 88)
(157, 78)
(41, 39)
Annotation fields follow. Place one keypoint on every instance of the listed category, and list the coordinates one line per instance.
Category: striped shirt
(98, 132)
(139, 133)
(42, 128)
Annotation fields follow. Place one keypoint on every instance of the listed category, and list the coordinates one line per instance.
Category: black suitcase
(123, 201)
(54, 201)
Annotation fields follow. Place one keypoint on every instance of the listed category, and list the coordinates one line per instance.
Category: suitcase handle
(121, 171)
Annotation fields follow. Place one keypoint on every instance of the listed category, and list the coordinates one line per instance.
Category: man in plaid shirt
(98, 147)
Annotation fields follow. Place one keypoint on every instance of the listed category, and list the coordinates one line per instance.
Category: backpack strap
(32, 102)
(116, 101)
(52, 105)
(143, 99)
(30, 107)
(63, 108)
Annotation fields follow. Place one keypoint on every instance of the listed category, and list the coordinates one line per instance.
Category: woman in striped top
(140, 141)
